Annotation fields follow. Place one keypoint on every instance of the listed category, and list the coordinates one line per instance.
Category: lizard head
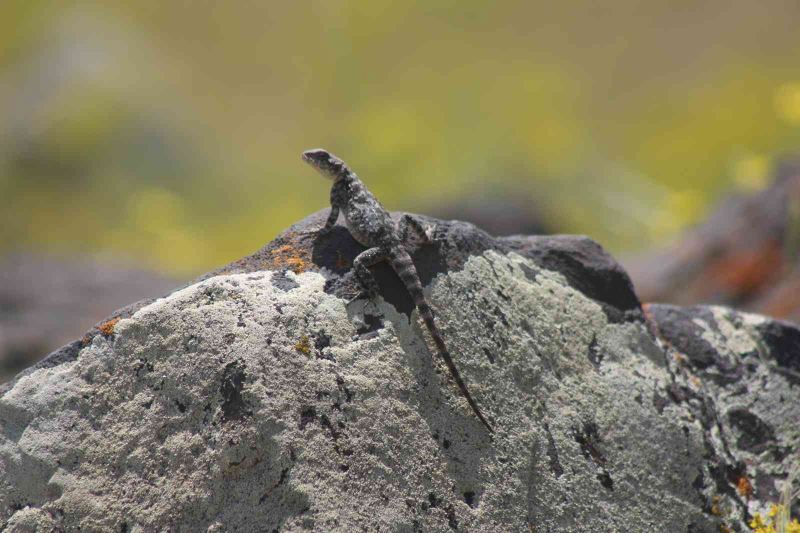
(326, 163)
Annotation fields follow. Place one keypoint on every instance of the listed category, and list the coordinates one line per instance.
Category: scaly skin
(370, 224)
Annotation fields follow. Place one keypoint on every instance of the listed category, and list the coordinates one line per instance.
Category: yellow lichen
(303, 345)
(716, 510)
(758, 524)
(776, 521)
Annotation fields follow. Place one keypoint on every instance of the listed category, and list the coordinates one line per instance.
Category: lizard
(371, 225)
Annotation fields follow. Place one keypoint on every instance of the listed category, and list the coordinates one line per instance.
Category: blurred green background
(169, 133)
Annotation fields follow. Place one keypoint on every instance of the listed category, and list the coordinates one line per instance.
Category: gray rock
(743, 371)
(257, 399)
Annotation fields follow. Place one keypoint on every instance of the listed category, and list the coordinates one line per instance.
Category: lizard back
(368, 221)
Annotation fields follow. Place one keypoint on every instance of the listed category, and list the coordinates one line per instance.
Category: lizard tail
(404, 266)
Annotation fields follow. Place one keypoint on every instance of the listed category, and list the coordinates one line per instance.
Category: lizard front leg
(361, 265)
(333, 216)
(409, 228)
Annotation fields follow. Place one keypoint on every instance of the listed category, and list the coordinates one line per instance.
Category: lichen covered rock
(258, 399)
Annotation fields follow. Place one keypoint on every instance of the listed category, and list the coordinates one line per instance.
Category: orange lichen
(287, 256)
(107, 327)
(741, 272)
(303, 345)
(744, 487)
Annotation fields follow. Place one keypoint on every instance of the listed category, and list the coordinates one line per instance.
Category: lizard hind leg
(411, 231)
(364, 277)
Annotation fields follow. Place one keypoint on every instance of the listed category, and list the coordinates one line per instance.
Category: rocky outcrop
(259, 399)
(746, 254)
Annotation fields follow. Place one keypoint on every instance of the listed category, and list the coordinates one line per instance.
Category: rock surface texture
(258, 399)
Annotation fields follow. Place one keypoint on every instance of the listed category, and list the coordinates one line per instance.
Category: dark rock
(587, 267)
(782, 339)
(754, 432)
(676, 326)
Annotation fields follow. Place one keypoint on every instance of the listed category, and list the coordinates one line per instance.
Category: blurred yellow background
(170, 133)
